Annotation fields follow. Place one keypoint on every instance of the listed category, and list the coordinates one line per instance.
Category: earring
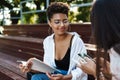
(50, 31)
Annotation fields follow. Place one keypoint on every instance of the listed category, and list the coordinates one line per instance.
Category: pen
(82, 58)
(81, 55)
(85, 55)
(89, 57)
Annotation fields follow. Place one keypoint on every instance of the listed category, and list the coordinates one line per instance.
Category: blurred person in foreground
(105, 20)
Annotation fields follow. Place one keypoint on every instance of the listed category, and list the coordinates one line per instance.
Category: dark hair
(105, 20)
(57, 7)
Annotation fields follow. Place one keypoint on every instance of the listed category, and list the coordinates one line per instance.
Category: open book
(39, 65)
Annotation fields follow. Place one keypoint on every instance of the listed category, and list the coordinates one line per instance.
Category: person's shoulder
(77, 37)
(116, 47)
(48, 38)
(75, 34)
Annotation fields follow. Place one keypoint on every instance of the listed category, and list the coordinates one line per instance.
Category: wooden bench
(36, 30)
(41, 30)
(22, 47)
(18, 48)
(9, 68)
(25, 41)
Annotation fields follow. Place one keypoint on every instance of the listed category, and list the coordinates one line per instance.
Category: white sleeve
(78, 47)
(46, 49)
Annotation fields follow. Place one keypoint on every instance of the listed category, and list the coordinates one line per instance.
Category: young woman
(105, 19)
(61, 46)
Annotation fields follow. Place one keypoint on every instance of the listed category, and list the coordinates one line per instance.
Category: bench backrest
(41, 30)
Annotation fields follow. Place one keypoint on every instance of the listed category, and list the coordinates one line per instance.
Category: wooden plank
(41, 30)
(4, 77)
(21, 47)
(9, 67)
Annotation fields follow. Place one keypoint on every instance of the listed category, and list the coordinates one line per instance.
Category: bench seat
(9, 68)
(23, 47)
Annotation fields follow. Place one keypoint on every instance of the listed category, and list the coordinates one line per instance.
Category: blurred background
(34, 11)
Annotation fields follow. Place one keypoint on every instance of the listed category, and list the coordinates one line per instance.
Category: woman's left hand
(55, 76)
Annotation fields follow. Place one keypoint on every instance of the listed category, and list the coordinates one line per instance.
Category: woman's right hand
(27, 67)
(89, 67)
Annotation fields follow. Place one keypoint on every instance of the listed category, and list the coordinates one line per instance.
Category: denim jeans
(43, 76)
(40, 76)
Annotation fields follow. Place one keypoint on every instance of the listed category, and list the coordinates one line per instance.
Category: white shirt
(76, 47)
(114, 64)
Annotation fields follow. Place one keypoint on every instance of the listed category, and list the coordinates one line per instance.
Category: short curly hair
(57, 7)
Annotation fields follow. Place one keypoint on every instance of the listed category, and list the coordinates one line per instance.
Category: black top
(64, 63)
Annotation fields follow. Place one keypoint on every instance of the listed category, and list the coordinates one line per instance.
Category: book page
(40, 66)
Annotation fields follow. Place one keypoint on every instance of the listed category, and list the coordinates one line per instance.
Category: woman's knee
(39, 77)
(35, 77)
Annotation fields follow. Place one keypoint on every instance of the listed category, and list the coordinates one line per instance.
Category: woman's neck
(60, 37)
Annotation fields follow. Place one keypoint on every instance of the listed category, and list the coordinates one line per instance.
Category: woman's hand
(105, 69)
(55, 76)
(27, 66)
(59, 76)
(89, 67)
